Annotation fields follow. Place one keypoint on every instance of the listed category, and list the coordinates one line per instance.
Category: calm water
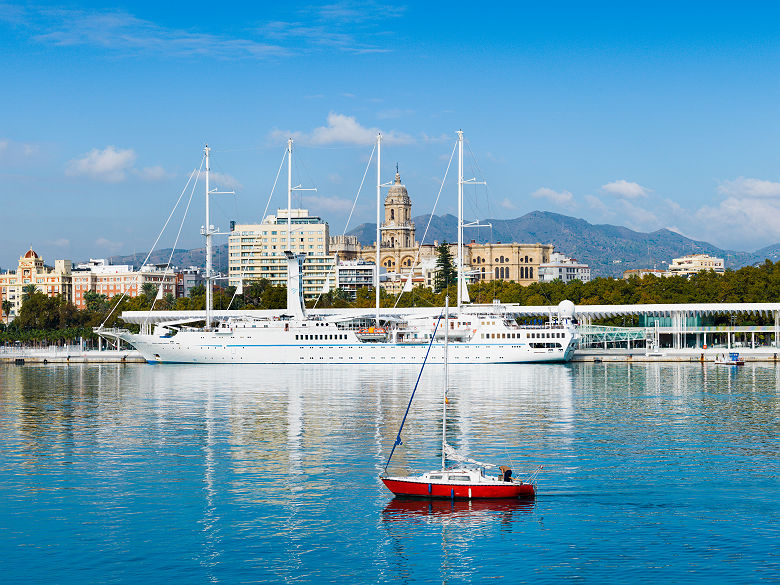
(150, 474)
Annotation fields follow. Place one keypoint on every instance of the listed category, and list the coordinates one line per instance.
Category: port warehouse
(686, 326)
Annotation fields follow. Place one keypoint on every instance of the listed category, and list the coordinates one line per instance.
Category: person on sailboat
(506, 473)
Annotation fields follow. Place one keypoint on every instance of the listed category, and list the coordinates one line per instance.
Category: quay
(67, 355)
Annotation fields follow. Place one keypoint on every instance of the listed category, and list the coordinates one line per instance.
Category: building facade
(482, 262)
(100, 277)
(354, 274)
(696, 263)
(257, 251)
(562, 268)
(32, 271)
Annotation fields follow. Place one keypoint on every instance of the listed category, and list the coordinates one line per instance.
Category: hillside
(181, 258)
(608, 249)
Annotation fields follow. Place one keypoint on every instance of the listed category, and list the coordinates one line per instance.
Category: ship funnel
(295, 304)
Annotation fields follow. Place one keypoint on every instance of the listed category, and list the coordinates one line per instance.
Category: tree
(445, 268)
(95, 302)
(149, 290)
(7, 306)
(27, 291)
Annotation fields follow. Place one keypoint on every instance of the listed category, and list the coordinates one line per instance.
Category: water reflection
(221, 473)
(465, 512)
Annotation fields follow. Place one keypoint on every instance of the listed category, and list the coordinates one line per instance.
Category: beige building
(695, 263)
(97, 276)
(484, 262)
(32, 271)
(257, 251)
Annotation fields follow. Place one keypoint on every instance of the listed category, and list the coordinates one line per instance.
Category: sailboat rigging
(466, 479)
(480, 334)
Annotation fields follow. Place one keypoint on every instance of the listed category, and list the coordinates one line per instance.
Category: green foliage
(149, 290)
(27, 291)
(53, 320)
(445, 269)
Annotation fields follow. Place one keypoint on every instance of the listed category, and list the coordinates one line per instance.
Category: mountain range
(607, 249)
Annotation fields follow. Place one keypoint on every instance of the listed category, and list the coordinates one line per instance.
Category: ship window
(459, 478)
(434, 477)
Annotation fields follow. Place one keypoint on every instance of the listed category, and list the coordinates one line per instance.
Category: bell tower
(398, 228)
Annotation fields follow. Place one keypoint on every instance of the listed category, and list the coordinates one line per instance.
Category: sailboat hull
(460, 490)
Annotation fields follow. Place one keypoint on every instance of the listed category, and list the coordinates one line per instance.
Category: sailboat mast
(446, 379)
(460, 218)
(378, 217)
(208, 230)
(289, 193)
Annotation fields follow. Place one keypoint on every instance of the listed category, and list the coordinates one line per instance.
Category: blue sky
(648, 116)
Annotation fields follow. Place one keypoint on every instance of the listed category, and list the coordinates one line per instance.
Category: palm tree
(149, 290)
(7, 306)
(28, 290)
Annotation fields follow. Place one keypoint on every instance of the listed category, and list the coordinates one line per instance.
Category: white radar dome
(566, 309)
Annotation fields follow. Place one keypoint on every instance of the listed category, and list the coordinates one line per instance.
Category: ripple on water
(136, 474)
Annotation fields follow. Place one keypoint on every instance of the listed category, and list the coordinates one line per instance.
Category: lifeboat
(372, 334)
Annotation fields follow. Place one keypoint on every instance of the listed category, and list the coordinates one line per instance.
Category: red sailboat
(468, 478)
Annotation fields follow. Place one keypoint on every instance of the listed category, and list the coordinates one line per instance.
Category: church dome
(31, 254)
(398, 190)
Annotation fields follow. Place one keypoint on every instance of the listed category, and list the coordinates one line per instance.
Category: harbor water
(132, 473)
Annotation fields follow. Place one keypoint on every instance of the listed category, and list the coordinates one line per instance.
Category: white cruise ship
(478, 334)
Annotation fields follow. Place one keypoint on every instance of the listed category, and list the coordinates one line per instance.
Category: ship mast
(290, 190)
(208, 230)
(460, 219)
(462, 294)
(446, 378)
(378, 218)
(289, 193)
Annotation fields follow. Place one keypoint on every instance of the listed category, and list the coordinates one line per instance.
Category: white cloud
(625, 189)
(12, 152)
(108, 245)
(342, 129)
(155, 173)
(223, 181)
(316, 204)
(122, 32)
(507, 204)
(637, 218)
(110, 164)
(742, 222)
(61, 243)
(744, 187)
(557, 197)
(597, 204)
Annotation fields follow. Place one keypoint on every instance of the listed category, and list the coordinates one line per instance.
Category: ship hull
(463, 490)
(188, 347)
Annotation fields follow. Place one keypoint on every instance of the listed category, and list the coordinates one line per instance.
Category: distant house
(562, 268)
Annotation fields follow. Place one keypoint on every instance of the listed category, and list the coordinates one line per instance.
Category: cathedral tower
(398, 228)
